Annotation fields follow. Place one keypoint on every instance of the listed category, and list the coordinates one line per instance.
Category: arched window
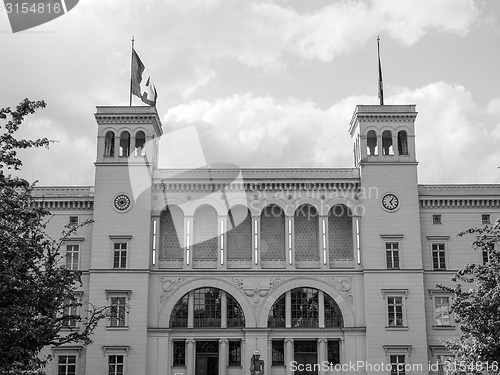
(340, 234)
(277, 315)
(207, 310)
(387, 148)
(205, 233)
(333, 315)
(140, 141)
(109, 144)
(207, 307)
(305, 310)
(125, 144)
(179, 317)
(402, 143)
(239, 236)
(371, 143)
(272, 233)
(172, 233)
(306, 233)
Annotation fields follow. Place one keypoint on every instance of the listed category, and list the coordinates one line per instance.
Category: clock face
(390, 202)
(122, 202)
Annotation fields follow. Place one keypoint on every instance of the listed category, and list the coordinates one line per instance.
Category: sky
(267, 83)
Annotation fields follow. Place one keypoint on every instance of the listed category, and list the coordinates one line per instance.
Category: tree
(476, 306)
(36, 290)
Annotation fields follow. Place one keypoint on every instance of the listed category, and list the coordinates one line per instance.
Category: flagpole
(131, 70)
(380, 83)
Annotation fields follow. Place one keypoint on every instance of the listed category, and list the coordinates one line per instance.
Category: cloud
(456, 139)
(259, 33)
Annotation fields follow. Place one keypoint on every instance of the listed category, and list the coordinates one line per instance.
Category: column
(288, 309)
(268, 364)
(321, 308)
(223, 356)
(223, 308)
(322, 353)
(395, 147)
(117, 146)
(190, 309)
(288, 356)
(164, 354)
(380, 149)
(190, 357)
(132, 145)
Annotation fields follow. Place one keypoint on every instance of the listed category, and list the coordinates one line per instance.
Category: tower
(119, 270)
(384, 151)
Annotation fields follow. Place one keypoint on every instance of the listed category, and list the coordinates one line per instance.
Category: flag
(380, 84)
(142, 85)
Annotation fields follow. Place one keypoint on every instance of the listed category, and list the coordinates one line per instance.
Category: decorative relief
(256, 288)
(167, 285)
(344, 284)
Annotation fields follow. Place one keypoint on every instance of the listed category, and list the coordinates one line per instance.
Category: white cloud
(453, 145)
(259, 33)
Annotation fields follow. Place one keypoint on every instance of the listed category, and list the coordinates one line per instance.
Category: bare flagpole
(380, 83)
(131, 69)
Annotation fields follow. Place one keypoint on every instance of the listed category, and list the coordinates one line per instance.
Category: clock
(122, 202)
(390, 202)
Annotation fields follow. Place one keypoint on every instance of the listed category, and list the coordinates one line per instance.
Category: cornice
(257, 179)
(459, 196)
(428, 202)
(119, 115)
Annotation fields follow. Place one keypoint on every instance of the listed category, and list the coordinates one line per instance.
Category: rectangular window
(72, 257)
(333, 351)
(278, 355)
(115, 365)
(392, 255)
(486, 219)
(442, 311)
(436, 219)
(70, 313)
(120, 255)
(66, 365)
(443, 361)
(486, 256)
(397, 364)
(117, 318)
(234, 353)
(438, 256)
(395, 311)
(73, 220)
(179, 353)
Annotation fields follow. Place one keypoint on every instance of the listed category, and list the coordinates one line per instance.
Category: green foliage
(476, 307)
(35, 287)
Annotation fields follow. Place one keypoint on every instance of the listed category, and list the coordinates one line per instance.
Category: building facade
(307, 268)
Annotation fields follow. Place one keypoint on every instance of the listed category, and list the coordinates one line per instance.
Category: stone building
(205, 267)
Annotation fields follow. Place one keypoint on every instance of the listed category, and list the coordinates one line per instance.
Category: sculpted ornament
(168, 285)
(256, 288)
(345, 286)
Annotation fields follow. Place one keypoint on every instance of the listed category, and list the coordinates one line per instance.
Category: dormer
(127, 134)
(383, 134)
